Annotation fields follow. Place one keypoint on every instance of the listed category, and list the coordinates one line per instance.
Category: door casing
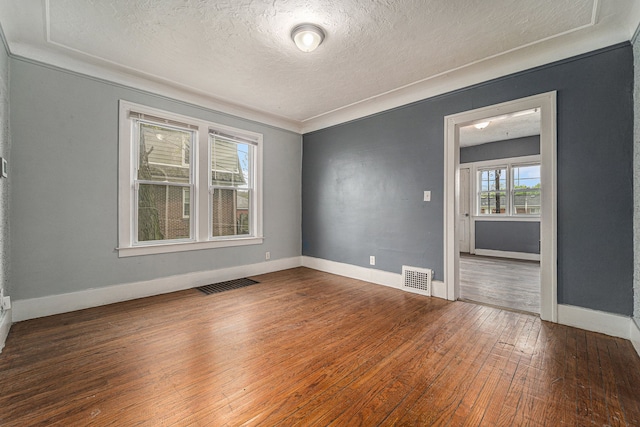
(546, 102)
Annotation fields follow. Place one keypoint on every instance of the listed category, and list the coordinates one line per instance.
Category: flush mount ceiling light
(481, 125)
(307, 37)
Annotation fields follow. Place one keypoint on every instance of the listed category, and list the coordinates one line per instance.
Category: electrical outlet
(267, 256)
(372, 260)
(6, 303)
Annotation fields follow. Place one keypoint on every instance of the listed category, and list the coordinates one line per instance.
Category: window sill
(507, 218)
(186, 246)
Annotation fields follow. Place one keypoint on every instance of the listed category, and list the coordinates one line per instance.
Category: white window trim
(508, 163)
(200, 210)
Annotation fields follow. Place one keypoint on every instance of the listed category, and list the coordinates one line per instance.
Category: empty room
(414, 212)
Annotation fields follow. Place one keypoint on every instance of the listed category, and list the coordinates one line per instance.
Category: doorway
(454, 176)
(499, 210)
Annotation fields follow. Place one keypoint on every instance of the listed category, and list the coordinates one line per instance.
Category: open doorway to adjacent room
(499, 210)
(500, 227)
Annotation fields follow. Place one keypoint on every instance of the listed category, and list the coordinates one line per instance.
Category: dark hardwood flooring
(312, 349)
(508, 283)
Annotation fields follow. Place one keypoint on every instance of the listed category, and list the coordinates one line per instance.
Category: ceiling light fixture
(307, 37)
(481, 126)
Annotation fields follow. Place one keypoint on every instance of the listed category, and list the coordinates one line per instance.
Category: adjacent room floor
(308, 348)
(508, 283)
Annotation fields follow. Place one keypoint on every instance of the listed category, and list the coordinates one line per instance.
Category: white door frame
(467, 220)
(546, 102)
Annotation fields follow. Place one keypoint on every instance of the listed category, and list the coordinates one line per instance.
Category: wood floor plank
(597, 398)
(502, 282)
(473, 407)
(309, 348)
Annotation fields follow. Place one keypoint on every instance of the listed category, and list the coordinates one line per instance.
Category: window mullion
(202, 202)
(509, 193)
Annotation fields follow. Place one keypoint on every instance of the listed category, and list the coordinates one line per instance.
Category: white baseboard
(56, 304)
(5, 325)
(591, 320)
(595, 321)
(507, 254)
(371, 275)
(634, 335)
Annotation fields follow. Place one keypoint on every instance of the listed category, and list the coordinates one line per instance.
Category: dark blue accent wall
(510, 236)
(362, 182)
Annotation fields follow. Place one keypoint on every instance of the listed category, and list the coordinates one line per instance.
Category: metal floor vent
(417, 280)
(226, 286)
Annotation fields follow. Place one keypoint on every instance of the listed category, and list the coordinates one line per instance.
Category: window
(160, 181)
(493, 191)
(231, 184)
(185, 183)
(526, 189)
(508, 189)
(186, 203)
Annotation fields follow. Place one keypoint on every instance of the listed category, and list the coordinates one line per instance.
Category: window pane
(526, 202)
(164, 154)
(526, 176)
(526, 190)
(230, 163)
(186, 202)
(230, 212)
(493, 179)
(160, 213)
(492, 202)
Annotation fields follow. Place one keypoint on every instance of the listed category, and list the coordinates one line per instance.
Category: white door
(463, 204)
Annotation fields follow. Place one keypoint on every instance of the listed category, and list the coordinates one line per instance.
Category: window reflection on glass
(232, 185)
(161, 176)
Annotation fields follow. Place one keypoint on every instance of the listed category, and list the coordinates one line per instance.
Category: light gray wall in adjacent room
(517, 147)
(4, 153)
(363, 181)
(65, 178)
(510, 236)
(636, 178)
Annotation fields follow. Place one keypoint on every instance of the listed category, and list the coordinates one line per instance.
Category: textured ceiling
(518, 125)
(238, 54)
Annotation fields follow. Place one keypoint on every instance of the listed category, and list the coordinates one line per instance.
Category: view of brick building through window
(164, 193)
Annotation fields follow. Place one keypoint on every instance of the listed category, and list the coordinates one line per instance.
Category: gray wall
(362, 181)
(636, 178)
(4, 153)
(517, 147)
(65, 178)
(508, 236)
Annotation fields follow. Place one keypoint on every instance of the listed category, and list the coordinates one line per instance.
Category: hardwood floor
(507, 283)
(310, 348)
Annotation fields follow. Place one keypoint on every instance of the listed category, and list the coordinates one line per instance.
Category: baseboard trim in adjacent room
(55, 304)
(507, 254)
(5, 325)
(634, 335)
(594, 320)
(371, 275)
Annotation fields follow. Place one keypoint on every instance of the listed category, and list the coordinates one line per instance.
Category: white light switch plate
(427, 196)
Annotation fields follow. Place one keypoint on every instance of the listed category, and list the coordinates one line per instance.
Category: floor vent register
(226, 286)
